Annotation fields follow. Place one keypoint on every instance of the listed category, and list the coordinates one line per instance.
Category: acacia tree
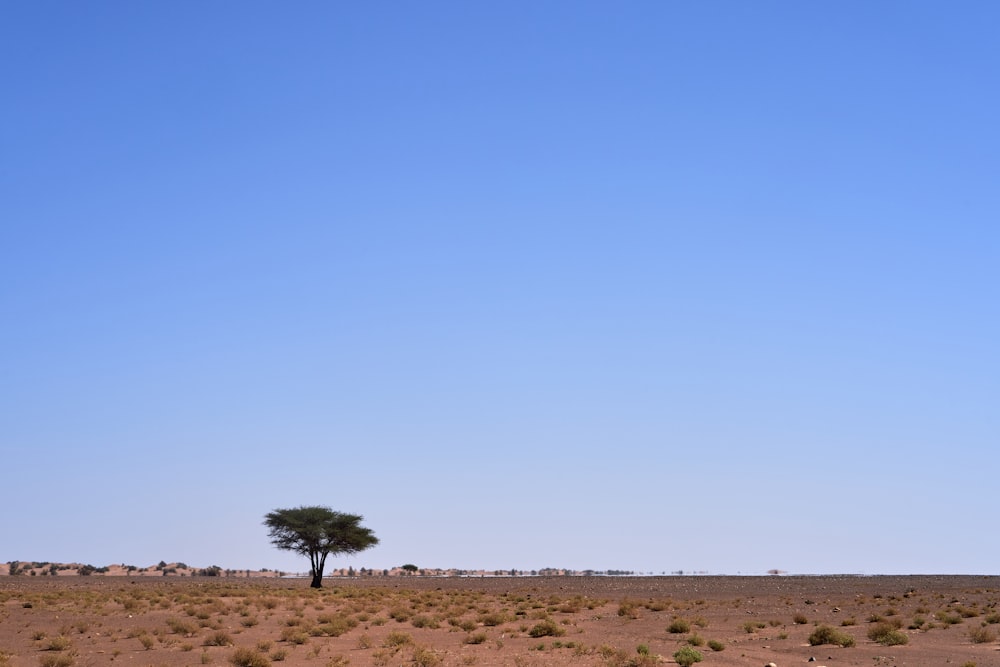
(317, 532)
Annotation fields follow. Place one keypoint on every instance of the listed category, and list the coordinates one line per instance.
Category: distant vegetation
(181, 569)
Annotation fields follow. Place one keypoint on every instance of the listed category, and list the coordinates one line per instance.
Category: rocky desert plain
(247, 619)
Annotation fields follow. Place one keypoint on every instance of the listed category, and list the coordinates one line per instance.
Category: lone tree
(316, 532)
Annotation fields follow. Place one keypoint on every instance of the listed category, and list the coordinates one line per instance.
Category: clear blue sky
(646, 285)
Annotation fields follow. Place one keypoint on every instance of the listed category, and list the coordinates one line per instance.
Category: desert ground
(522, 621)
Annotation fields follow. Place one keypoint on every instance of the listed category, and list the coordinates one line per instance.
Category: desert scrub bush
(245, 657)
(493, 618)
(181, 627)
(279, 655)
(948, 619)
(146, 641)
(55, 660)
(424, 621)
(687, 656)
(628, 609)
(716, 645)
(218, 638)
(613, 657)
(425, 657)
(751, 627)
(294, 636)
(466, 624)
(400, 614)
(887, 635)
(334, 626)
(396, 639)
(824, 634)
(799, 619)
(546, 628)
(982, 635)
(848, 622)
(59, 643)
(679, 626)
(696, 640)
(476, 638)
(381, 657)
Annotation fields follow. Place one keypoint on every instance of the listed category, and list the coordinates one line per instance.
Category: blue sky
(649, 286)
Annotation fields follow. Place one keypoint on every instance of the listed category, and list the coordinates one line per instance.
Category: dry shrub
(181, 627)
(493, 618)
(425, 657)
(546, 628)
(245, 657)
(294, 636)
(396, 639)
(59, 643)
(824, 634)
(628, 609)
(887, 634)
(55, 660)
(679, 626)
(218, 638)
(982, 635)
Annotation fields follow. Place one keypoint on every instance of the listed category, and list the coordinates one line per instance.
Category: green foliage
(716, 645)
(316, 532)
(687, 656)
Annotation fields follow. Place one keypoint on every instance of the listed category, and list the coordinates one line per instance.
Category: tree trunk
(317, 581)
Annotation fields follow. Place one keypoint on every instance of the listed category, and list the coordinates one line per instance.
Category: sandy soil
(68, 620)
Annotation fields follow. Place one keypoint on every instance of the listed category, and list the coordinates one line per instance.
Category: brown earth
(428, 621)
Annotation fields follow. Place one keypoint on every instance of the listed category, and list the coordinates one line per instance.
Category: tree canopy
(317, 531)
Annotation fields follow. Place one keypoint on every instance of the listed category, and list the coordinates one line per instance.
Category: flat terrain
(523, 621)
